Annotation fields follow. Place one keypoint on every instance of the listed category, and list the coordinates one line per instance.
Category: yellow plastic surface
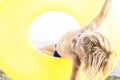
(19, 60)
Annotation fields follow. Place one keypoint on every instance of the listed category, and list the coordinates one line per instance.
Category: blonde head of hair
(94, 52)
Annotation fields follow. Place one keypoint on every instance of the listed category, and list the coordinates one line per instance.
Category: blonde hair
(95, 52)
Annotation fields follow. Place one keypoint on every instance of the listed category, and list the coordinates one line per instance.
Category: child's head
(93, 50)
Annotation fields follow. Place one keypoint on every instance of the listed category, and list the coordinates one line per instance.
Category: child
(84, 46)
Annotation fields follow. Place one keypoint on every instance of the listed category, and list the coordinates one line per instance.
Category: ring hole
(47, 28)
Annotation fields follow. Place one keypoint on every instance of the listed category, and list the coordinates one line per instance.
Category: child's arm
(95, 23)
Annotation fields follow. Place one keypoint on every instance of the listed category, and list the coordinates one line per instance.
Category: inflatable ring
(17, 57)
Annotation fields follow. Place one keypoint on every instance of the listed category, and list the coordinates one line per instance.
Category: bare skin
(64, 45)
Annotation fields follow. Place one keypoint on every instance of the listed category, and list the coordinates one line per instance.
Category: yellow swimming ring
(17, 57)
